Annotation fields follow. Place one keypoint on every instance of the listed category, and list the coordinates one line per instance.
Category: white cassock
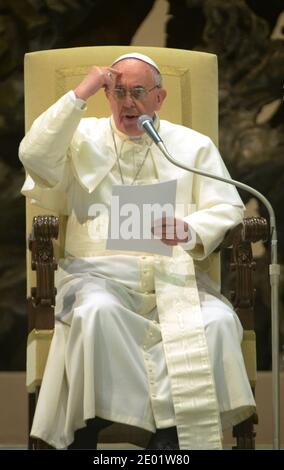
(140, 339)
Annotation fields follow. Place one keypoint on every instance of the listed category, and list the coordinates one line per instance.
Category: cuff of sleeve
(194, 240)
(79, 103)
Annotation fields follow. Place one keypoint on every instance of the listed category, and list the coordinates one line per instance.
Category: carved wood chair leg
(245, 434)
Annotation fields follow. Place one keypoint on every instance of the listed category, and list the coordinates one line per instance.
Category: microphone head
(141, 121)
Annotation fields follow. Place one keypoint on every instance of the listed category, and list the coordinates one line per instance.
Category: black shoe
(87, 438)
(164, 439)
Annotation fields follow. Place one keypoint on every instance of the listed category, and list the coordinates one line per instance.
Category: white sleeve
(43, 151)
(194, 240)
(79, 103)
(218, 204)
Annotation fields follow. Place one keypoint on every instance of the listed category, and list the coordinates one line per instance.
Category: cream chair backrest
(191, 79)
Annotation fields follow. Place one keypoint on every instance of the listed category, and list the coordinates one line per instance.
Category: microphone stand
(274, 274)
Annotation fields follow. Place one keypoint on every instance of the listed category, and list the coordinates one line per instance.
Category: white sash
(193, 388)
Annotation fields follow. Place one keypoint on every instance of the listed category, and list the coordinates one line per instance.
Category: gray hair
(158, 79)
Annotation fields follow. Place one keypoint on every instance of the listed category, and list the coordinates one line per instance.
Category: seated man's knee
(220, 318)
(96, 305)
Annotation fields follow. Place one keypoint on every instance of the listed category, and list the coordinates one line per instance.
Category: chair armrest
(41, 303)
(242, 264)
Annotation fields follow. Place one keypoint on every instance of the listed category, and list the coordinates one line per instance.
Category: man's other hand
(171, 231)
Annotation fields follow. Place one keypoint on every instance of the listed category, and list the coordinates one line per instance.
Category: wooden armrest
(242, 264)
(253, 229)
(40, 304)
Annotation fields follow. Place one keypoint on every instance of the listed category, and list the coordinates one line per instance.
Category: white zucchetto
(138, 56)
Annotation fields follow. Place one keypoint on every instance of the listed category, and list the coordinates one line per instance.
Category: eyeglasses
(138, 92)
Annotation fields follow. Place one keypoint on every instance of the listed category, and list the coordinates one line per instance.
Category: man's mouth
(130, 117)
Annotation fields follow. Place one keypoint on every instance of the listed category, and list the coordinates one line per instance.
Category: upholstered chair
(191, 79)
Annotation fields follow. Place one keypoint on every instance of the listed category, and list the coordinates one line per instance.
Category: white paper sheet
(133, 212)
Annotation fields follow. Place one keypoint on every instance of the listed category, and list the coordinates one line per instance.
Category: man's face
(133, 73)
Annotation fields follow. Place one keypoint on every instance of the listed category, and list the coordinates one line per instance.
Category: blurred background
(248, 37)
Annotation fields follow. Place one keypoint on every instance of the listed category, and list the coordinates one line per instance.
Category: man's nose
(128, 100)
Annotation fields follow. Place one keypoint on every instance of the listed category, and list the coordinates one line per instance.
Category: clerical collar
(139, 139)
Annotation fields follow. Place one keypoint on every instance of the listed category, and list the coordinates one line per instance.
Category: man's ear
(160, 97)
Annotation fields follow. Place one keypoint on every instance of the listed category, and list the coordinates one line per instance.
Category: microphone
(146, 123)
